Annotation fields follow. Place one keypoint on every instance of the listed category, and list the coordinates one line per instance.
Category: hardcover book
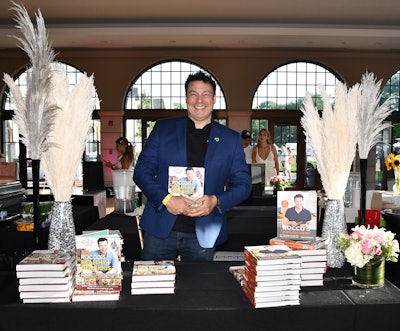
(297, 215)
(320, 252)
(45, 287)
(186, 181)
(44, 280)
(299, 244)
(312, 276)
(277, 267)
(312, 282)
(278, 288)
(270, 255)
(251, 283)
(238, 273)
(320, 270)
(95, 297)
(154, 284)
(47, 273)
(153, 271)
(313, 258)
(99, 272)
(46, 294)
(45, 260)
(153, 290)
(98, 252)
(47, 300)
(275, 293)
(272, 275)
(318, 264)
(264, 302)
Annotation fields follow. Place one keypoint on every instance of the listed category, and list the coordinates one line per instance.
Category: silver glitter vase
(62, 227)
(333, 226)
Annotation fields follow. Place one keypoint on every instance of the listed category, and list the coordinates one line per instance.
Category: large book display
(273, 274)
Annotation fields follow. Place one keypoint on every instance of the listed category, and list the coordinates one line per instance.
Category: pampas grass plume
(333, 136)
(371, 115)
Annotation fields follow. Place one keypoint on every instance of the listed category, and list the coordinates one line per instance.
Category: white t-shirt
(248, 153)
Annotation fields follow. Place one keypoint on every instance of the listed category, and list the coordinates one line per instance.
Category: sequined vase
(62, 227)
(334, 224)
(372, 275)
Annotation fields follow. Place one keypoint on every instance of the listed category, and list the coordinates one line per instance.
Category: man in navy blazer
(178, 225)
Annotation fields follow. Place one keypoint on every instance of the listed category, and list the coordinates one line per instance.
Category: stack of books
(153, 277)
(313, 257)
(313, 266)
(46, 276)
(271, 276)
(99, 272)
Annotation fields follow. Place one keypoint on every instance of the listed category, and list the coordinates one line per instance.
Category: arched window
(276, 107)
(390, 136)
(159, 92)
(11, 146)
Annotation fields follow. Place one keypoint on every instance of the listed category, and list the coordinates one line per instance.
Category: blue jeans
(177, 243)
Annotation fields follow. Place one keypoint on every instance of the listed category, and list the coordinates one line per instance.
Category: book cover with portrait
(297, 215)
(186, 181)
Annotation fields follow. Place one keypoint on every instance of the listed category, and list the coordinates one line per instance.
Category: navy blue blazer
(224, 161)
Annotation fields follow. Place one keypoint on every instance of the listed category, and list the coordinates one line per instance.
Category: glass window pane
(165, 84)
(290, 82)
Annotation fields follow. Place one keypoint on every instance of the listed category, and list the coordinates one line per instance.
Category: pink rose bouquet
(279, 182)
(365, 244)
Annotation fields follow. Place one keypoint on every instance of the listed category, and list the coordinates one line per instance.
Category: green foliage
(145, 101)
(45, 208)
(292, 105)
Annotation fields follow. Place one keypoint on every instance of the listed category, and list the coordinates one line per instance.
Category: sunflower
(396, 162)
(388, 161)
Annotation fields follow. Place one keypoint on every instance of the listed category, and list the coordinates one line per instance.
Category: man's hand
(180, 205)
(202, 206)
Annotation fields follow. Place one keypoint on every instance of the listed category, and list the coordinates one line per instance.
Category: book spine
(292, 244)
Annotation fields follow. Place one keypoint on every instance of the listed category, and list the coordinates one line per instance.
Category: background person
(247, 148)
(287, 161)
(125, 155)
(171, 225)
(265, 152)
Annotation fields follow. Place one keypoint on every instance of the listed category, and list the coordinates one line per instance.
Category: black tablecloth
(207, 297)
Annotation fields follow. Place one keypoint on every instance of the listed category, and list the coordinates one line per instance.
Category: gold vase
(372, 275)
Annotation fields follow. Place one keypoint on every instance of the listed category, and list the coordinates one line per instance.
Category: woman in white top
(265, 152)
(125, 155)
(287, 161)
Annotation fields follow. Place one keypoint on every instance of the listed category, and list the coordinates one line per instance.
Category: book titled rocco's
(297, 215)
(186, 181)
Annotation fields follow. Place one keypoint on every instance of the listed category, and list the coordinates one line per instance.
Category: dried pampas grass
(371, 115)
(68, 138)
(34, 114)
(333, 136)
